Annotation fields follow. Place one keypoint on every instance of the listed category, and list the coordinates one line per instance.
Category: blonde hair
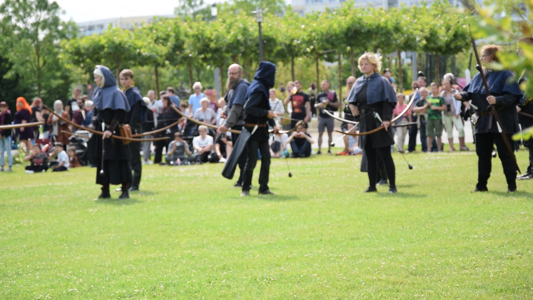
(373, 59)
(202, 127)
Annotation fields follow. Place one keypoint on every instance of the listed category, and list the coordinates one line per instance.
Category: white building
(99, 26)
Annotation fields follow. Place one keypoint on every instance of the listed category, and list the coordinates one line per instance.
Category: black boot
(392, 189)
(125, 192)
(382, 177)
(371, 189)
(105, 193)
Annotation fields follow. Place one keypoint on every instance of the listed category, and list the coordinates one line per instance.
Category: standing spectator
(153, 105)
(194, 99)
(291, 89)
(148, 125)
(312, 99)
(350, 81)
(73, 159)
(276, 105)
(401, 131)
(88, 120)
(205, 114)
(301, 109)
(80, 114)
(525, 106)
(278, 145)
(413, 131)
(435, 106)
(178, 149)
(452, 114)
(62, 162)
(327, 100)
(59, 126)
(223, 146)
(220, 110)
(420, 110)
(23, 116)
(46, 126)
(300, 142)
(5, 137)
(173, 97)
(281, 88)
(38, 160)
(203, 144)
(388, 74)
(167, 116)
(211, 95)
(36, 115)
(72, 104)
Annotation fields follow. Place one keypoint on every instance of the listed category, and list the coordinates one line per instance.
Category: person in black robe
(110, 109)
(134, 118)
(257, 114)
(526, 106)
(167, 116)
(372, 99)
(504, 97)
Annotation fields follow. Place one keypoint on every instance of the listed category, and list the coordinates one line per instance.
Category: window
(90, 27)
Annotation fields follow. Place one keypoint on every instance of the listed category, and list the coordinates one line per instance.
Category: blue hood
(378, 90)
(264, 79)
(110, 96)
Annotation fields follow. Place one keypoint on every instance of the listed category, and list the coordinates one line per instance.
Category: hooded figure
(257, 114)
(111, 107)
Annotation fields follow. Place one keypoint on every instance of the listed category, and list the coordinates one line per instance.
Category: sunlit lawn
(188, 234)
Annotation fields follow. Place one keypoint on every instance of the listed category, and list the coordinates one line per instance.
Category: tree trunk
(197, 73)
(190, 78)
(38, 75)
(419, 61)
(292, 68)
(352, 61)
(340, 83)
(248, 69)
(156, 73)
(437, 68)
(400, 73)
(117, 62)
(317, 71)
(222, 86)
(236, 58)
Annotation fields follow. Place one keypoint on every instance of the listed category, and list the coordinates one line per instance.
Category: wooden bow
(392, 121)
(158, 130)
(523, 114)
(338, 118)
(118, 137)
(230, 130)
(23, 125)
(494, 112)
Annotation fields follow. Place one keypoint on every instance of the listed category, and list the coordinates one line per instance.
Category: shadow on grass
(118, 202)
(521, 194)
(401, 194)
(145, 193)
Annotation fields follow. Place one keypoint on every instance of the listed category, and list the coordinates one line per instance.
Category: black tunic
(505, 106)
(255, 112)
(368, 122)
(116, 155)
(165, 118)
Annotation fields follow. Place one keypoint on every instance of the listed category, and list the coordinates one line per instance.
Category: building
(99, 26)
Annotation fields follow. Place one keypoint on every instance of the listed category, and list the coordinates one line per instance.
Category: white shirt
(63, 157)
(277, 106)
(282, 140)
(199, 142)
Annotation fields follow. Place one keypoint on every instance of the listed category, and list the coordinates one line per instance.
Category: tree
(31, 35)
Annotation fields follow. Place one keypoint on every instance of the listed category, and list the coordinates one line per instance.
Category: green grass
(189, 235)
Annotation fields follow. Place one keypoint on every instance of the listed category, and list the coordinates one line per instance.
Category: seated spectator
(203, 144)
(178, 149)
(353, 143)
(300, 142)
(205, 114)
(211, 95)
(223, 146)
(172, 94)
(278, 145)
(38, 160)
(62, 162)
(73, 159)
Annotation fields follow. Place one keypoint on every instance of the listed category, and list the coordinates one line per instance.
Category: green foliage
(31, 34)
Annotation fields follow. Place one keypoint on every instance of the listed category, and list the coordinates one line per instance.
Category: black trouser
(251, 149)
(484, 146)
(159, 145)
(59, 169)
(204, 157)
(372, 156)
(37, 168)
(529, 145)
(413, 132)
(135, 163)
(244, 156)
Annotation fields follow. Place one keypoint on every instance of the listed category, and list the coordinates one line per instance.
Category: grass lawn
(189, 235)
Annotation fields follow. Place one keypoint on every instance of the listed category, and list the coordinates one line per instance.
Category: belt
(253, 125)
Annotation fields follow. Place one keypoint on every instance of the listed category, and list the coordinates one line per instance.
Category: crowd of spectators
(188, 143)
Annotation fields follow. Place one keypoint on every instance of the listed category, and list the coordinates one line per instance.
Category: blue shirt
(176, 100)
(194, 102)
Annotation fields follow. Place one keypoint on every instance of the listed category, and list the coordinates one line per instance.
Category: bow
(411, 102)
(523, 114)
(230, 130)
(494, 112)
(14, 126)
(158, 130)
(338, 118)
(118, 137)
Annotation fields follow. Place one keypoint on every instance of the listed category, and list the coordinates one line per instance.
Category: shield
(238, 148)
